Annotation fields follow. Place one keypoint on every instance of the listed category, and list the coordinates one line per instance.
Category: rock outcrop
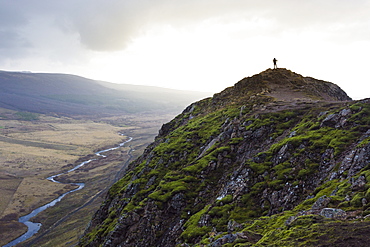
(277, 160)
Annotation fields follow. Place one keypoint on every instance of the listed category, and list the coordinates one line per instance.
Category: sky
(199, 45)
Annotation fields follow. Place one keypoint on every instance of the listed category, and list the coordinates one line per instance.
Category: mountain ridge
(248, 167)
(75, 95)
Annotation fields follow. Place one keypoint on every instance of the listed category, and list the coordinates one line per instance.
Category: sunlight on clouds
(202, 58)
(197, 45)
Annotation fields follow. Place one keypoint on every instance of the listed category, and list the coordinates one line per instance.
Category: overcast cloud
(71, 32)
(112, 24)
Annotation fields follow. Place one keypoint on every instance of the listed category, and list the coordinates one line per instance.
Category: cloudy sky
(203, 45)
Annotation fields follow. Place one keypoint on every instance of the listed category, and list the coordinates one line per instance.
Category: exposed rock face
(270, 161)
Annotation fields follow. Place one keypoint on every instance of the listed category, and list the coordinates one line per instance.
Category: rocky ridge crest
(283, 85)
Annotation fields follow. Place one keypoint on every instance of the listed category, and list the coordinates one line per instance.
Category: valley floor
(31, 151)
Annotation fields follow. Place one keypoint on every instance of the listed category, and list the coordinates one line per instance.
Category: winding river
(33, 228)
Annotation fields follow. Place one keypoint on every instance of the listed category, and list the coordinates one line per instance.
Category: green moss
(276, 184)
(356, 107)
(160, 196)
(241, 213)
(283, 171)
(227, 199)
(220, 216)
(308, 169)
(364, 142)
(326, 189)
(102, 230)
(203, 162)
(259, 168)
(340, 139)
(205, 126)
(343, 188)
(303, 173)
(131, 206)
(173, 175)
(192, 229)
(319, 140)
(301, 232)
(235, 141)
(362, 114)
(257, 187)
(199, 165)
(366, 173)
(120, 184)
(281, 120)
(357, 200)
(177, 168)
(167, 189)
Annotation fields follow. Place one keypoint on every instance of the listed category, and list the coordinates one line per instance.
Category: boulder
(332, 213)
(321, 203)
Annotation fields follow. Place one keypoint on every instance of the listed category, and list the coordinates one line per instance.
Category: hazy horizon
(198, 45)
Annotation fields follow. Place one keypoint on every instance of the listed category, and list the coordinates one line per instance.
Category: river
(33, 227)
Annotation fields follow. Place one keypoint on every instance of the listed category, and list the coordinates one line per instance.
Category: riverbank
(26, 167)
(34, 227)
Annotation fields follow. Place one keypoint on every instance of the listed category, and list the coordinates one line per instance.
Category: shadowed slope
(74, 95)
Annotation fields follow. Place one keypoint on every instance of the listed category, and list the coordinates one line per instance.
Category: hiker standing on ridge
(275, 66)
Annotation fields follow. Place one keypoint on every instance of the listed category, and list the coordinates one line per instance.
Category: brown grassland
(31, 151)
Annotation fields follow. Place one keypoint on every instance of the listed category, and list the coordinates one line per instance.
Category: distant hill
(74, 95)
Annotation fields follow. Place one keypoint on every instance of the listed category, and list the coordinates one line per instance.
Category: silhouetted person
(274, 60)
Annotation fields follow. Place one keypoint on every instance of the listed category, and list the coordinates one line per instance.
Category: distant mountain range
(74, 95)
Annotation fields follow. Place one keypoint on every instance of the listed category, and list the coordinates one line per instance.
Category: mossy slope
(248, 170)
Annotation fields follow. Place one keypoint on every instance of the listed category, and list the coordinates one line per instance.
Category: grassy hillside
(74, 95)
